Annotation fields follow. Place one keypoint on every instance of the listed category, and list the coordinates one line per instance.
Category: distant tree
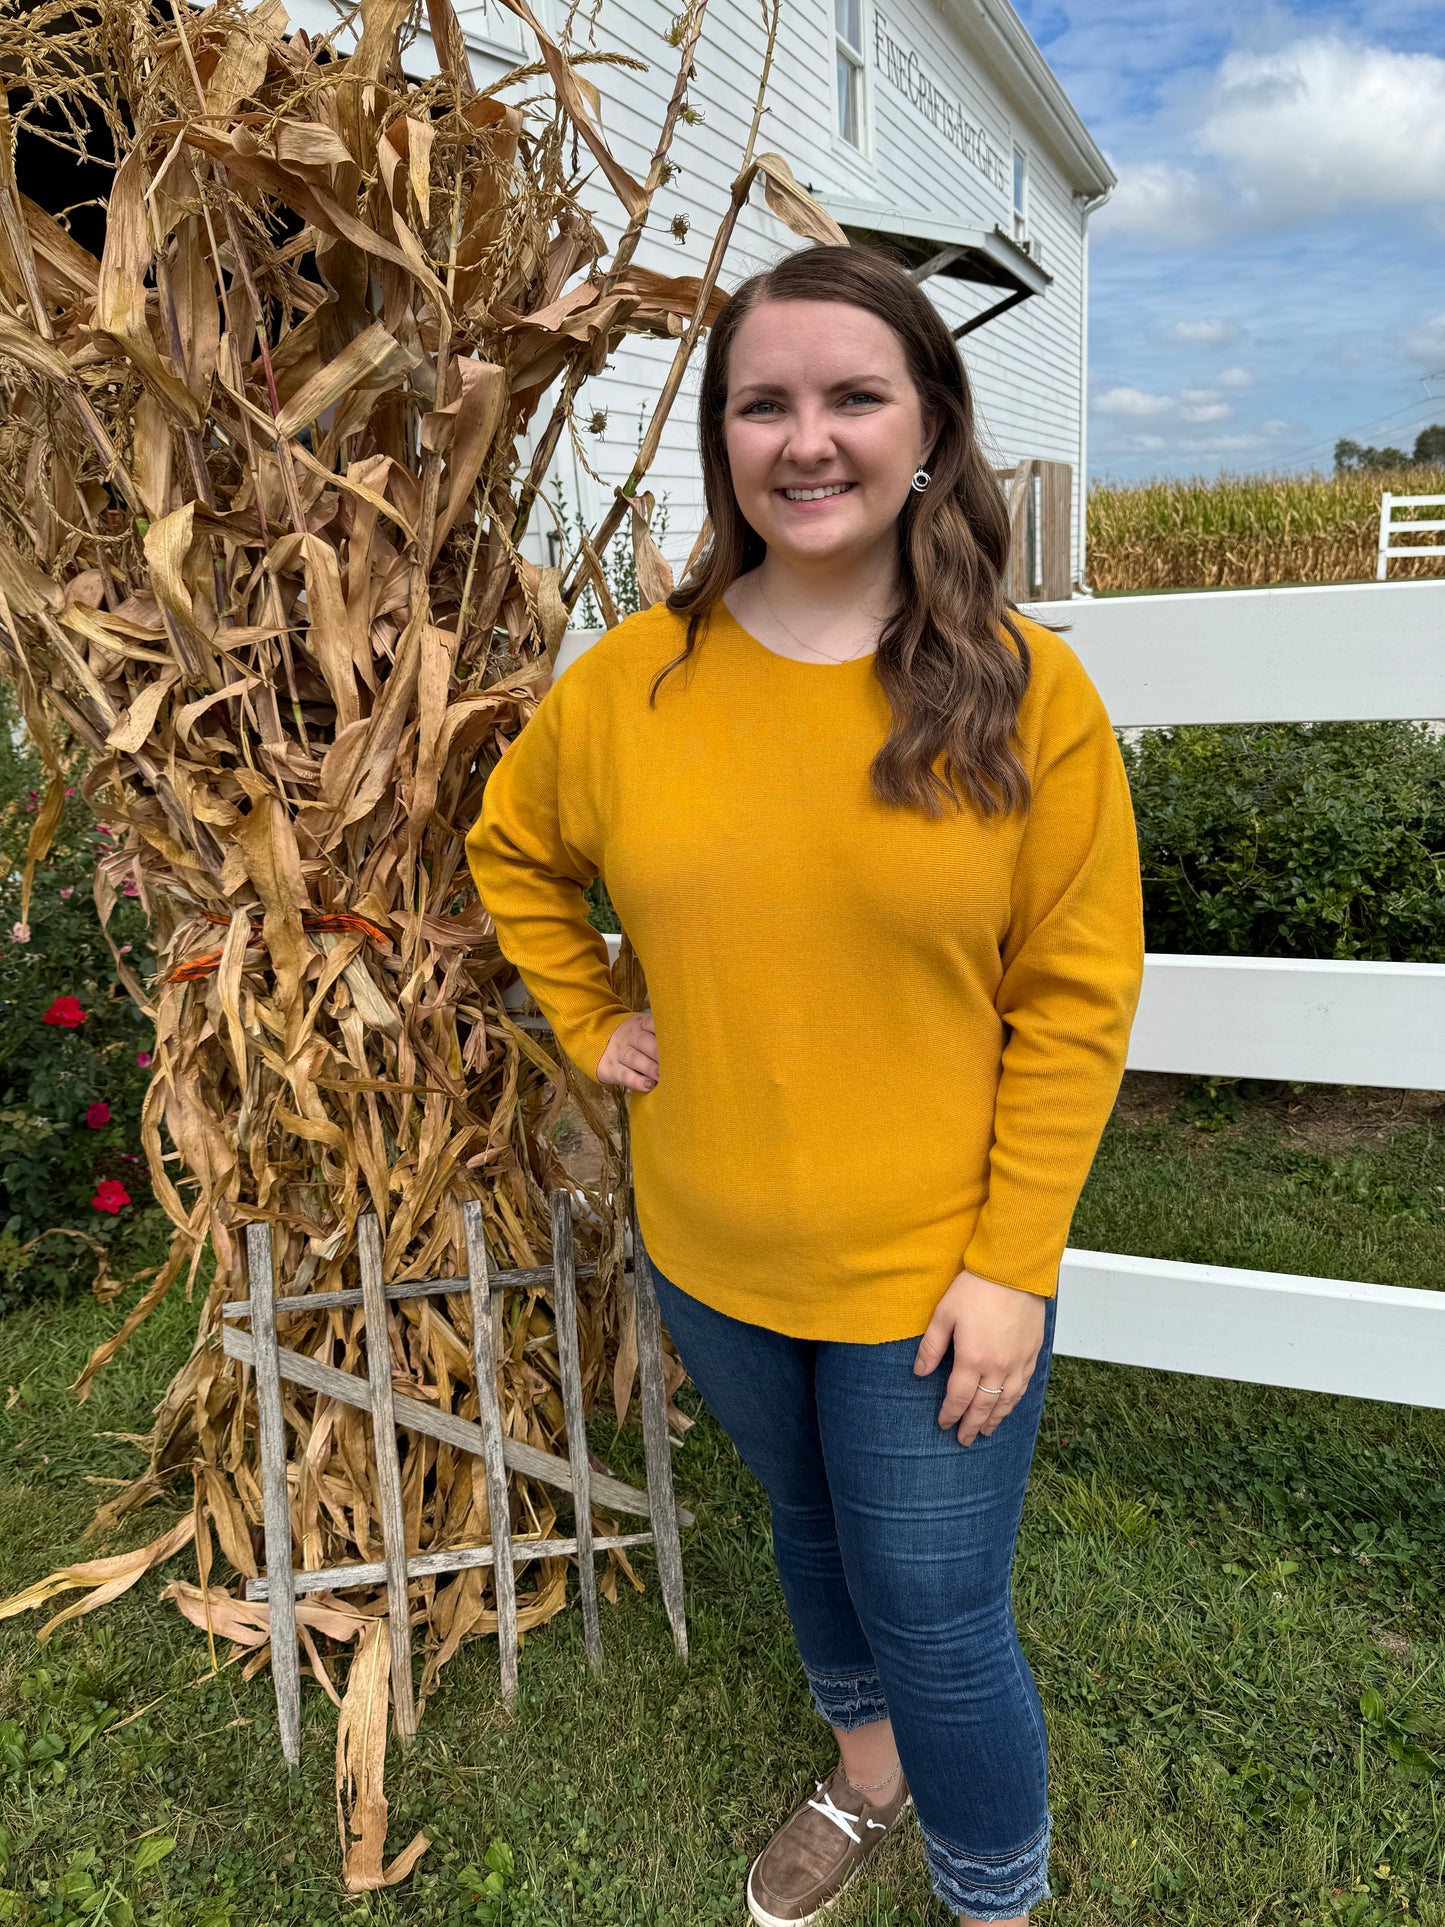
(1354, 456)
(1430, 445)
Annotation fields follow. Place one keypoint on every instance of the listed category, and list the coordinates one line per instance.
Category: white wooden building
(935, 123)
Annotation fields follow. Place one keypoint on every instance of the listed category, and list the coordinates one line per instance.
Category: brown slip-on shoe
(817, 1850)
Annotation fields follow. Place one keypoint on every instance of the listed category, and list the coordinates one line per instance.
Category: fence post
(271, 1425)
(1382, 559)
(1056, 530)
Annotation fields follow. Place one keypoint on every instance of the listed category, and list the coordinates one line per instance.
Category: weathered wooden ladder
(272, 1362)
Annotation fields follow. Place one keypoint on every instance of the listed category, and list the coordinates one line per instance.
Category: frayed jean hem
(846, 1700)
(986, 1887)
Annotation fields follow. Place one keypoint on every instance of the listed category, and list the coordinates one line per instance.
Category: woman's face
(819, 394)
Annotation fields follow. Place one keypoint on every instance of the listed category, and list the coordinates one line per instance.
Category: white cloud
(1234, 378)
(1426, 344)
(1317, 127)
(1131, 401)
(1209, 330)
(1323, 125)
(1189, 405)
(1158, 201)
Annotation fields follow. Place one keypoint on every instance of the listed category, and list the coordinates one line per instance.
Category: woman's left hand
(996, 1333)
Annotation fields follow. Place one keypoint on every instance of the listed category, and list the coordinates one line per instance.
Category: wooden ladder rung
(389, 1408)
(429, 1565)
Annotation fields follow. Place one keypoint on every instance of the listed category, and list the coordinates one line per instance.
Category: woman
(870, 834)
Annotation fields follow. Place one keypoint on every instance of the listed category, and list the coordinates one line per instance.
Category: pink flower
(70, 792)
(68, 891)
(101, 830)
(97, 1115)
(130, 888)
(143, 1058)
(20, 933)
(110, 1195)
(66, 1013)
(124, 949)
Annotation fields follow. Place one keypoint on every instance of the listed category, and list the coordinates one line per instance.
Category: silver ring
(992, 1391)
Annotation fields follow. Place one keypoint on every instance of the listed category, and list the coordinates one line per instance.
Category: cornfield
(1247, 530)
(261, 508)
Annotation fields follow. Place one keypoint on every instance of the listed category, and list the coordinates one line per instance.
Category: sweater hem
(849, 1319)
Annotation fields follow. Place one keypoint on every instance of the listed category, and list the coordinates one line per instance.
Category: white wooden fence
(1392, 522)
(1356, 652)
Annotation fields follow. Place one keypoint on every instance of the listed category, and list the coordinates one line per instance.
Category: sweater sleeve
(531, 871)
(1073, 960)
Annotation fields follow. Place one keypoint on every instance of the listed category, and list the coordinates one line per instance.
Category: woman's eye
(861, 394)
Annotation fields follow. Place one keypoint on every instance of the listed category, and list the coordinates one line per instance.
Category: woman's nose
(810, 438)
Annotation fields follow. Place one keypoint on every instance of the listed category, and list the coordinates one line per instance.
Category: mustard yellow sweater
(888, 1045)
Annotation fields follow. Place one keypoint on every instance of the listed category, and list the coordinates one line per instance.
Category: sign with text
(903, 67)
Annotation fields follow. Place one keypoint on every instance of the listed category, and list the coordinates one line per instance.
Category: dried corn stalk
(260, 507)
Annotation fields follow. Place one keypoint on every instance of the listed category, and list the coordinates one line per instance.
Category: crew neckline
(795, 662)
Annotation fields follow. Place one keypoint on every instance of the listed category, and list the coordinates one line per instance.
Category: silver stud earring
(921, 479)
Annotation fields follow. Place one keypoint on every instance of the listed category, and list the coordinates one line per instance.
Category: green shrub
(1304, 840)
(73, 1048)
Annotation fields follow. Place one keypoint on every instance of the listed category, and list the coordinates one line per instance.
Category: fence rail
(1301, 1019)
(1348, 652)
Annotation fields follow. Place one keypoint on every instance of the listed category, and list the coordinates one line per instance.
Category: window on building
(1021, 195)
(848, 38)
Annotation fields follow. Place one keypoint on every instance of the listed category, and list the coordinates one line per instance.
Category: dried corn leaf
(103, 1579)
(263, 592)
(360, 1763)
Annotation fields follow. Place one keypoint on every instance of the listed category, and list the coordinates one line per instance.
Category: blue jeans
(894, 1545)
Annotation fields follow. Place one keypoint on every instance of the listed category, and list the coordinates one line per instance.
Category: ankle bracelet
(873, 1788)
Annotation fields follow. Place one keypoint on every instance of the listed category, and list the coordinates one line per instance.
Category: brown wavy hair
(953, 683)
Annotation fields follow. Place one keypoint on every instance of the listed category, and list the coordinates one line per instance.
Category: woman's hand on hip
(630, 1058)
(996, 1333)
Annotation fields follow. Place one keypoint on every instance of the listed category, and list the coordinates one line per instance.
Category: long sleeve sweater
(888, 1043)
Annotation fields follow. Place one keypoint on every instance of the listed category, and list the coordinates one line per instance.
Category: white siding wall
(1025, 366)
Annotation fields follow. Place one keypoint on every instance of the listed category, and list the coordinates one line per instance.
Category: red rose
(98, 1115)
(110, 1195)
(65, 1012)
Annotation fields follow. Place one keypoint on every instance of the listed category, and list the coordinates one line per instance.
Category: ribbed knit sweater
(888, 1043)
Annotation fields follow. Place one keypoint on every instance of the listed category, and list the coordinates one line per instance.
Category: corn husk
(261, 507)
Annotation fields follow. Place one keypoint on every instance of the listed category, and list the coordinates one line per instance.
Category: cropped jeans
(894, 1545)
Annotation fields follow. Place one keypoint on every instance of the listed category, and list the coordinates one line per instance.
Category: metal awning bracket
(991, 314)
(935, 263)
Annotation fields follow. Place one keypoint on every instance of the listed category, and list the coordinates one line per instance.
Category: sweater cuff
(984, 1260)
(585, 1042)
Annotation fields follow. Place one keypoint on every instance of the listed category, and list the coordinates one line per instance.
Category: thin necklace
(808, 645)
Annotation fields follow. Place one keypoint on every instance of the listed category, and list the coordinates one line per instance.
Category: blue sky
(1270, 273)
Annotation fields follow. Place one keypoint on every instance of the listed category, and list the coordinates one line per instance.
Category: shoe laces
(840, 1818)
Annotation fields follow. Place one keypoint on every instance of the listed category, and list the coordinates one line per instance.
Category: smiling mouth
(816, 494)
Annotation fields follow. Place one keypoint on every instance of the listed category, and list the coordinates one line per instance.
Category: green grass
(1212, 1578)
